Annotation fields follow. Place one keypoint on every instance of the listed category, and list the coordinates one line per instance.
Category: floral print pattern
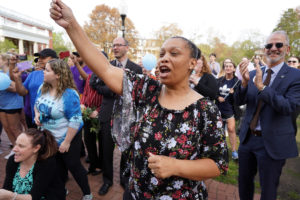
(142, 125)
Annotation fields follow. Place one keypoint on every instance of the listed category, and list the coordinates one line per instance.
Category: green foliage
(165, 32)
(95, 125)
(59, 44)
(232, 174)
(7, 45)
(290, 22)
(236, 51)
(293, 195)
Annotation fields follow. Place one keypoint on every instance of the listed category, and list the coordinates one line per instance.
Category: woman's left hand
(64, 147)
(161, 166)
(5, 194)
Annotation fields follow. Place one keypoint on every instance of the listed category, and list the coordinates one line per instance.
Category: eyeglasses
(118, 45)
(278, 45)
(292, 61)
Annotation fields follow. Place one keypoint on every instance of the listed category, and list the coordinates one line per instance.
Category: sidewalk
(216, 190)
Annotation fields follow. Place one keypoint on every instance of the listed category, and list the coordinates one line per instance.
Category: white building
(29, 35)
(146, 46)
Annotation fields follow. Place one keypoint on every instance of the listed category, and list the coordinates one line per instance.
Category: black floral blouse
(142, 125)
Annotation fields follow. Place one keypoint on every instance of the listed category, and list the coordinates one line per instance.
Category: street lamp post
(123, 13)
(123, 16)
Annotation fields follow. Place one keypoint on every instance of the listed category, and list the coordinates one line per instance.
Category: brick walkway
(216, 190)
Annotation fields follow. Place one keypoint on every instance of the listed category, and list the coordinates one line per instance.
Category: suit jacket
(280, 101)
(108, 96)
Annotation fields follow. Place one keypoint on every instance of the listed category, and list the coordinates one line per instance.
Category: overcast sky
(231, 19)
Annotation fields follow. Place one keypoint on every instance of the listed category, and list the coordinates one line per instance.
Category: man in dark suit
(120, 49)
(267, 135)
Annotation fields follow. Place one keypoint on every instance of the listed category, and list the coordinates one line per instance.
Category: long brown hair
(45, 139)
(61, 68)
(205, 67)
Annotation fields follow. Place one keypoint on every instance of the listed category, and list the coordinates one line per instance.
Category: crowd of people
(170, 124)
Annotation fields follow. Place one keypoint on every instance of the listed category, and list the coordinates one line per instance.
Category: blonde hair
(60, 68)
(5, 56)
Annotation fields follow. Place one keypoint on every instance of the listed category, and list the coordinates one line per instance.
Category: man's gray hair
(281, 32)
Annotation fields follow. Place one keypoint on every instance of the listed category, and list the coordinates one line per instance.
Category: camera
(22, 57)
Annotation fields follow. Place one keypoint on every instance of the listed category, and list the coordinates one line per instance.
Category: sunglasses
(292, 61)
(278, 45)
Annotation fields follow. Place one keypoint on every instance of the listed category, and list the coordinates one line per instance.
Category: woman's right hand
(244, 72)
(221, 99)
(61, 13)
(37, 119)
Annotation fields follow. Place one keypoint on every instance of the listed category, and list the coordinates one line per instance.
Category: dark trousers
(90, 140)
(29, 122)
(108, 152)
(127, 195)
(124, 169)
(71, 161)
(253, 156)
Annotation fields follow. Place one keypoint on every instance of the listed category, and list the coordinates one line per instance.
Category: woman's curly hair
(60, 68)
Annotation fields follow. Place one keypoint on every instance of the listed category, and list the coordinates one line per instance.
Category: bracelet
(15, 196)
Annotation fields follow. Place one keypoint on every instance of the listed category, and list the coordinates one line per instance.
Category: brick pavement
(216, 190)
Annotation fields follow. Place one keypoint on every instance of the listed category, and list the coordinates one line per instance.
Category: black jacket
(108, 96)
(207, 86)
(46, 181)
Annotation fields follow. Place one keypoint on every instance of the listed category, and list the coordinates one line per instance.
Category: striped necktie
(255, 118)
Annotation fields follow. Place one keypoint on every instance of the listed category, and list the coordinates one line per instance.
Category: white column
(2, 38)
(35, 47)
(21, 47)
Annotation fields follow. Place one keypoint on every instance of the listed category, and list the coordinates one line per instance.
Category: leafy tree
(166, 32)
(7, 45)
(290, 22)
(205, 49)
(103, 28)
(59, 44)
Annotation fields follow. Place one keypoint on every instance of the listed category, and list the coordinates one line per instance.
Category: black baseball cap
(76, 53)
(46, 53)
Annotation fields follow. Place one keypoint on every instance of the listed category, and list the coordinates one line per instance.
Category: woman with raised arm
(174, 135)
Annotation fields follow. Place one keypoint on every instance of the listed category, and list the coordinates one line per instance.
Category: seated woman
(174, 135)
(31, 172)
